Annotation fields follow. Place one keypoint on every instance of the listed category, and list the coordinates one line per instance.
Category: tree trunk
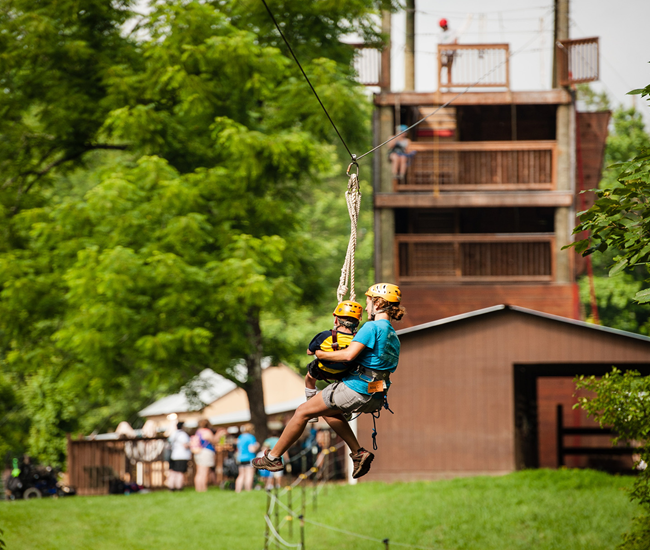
(253, 386)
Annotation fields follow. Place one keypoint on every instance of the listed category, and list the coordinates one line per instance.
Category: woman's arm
(342, 355)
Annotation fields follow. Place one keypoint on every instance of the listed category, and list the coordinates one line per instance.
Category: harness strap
(374, 374)
(335, 342)
(375, 417)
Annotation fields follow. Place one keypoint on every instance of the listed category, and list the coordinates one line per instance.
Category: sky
(527, 25)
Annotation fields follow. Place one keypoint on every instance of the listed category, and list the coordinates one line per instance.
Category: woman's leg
(249, 476)
(394, 163)
(402, 165)
(342, 428)
(239, 482)
(197, 478)
(313, 408)
(180, 480)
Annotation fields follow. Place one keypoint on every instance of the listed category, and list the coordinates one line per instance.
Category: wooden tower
(489, 199)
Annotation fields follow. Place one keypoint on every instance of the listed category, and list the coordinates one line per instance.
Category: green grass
(540, 509)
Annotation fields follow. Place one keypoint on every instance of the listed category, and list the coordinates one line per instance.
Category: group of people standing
(201, 448)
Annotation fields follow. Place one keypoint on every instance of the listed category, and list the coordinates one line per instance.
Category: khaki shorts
(205, 458)
(339, 396)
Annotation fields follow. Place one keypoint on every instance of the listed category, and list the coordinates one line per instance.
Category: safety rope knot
(353, 200)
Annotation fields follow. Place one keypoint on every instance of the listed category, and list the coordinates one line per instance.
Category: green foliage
(123, 274)
(621, 401)
(55, 62)
(620, 219)
(616, 306)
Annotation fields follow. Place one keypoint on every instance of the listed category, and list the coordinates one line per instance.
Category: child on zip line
(375, 348)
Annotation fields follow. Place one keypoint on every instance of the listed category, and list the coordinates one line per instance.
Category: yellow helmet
(348, 308)
(387, 291)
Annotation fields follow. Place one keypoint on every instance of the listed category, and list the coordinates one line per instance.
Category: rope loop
(353, 200)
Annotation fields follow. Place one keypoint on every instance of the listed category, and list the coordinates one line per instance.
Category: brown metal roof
(502, 307)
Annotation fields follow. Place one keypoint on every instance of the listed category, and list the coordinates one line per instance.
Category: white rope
(350, 533)
(353, 200)
(277, 536)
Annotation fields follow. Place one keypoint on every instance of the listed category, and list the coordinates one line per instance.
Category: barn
(478, 393)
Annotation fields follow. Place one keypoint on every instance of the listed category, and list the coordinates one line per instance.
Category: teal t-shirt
(381, 352)
(244, 441)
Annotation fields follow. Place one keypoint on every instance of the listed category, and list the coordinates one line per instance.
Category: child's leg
(310, 382)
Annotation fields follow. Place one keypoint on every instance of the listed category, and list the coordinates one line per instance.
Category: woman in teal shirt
(376, 349)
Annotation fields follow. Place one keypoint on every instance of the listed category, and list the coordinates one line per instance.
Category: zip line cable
(308, 81)
(356, 158)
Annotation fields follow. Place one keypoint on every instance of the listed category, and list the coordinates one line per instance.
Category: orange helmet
(387, 291)
(348, 308)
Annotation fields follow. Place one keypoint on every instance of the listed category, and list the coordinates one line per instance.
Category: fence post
(290, 505)
(314, 488)
(385, 541)
(266, 515)
(326, 470)
(302, 532)
(277, 517)
(559, 423)
(303, 507)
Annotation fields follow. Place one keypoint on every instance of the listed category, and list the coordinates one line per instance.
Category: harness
(375, 376)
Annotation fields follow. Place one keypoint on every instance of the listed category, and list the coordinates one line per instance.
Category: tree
(55, 63)
(616, 307)
(134, 270)
(622, 402)
(619, 219)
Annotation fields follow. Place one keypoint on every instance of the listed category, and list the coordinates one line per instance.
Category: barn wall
(453, 392)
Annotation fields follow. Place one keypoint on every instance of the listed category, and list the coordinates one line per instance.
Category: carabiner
(353, 163)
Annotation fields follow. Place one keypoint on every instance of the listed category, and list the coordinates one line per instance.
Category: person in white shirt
(180, 456)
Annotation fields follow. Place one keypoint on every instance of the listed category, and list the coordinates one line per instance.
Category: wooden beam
(529, 145)
(451, 200)
(550, 97)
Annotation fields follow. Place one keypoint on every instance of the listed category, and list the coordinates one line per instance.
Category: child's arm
(316, 342)
(342, 355)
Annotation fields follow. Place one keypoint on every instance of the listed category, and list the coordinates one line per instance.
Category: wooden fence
(478, 258)
(94, 465)
(486, 166)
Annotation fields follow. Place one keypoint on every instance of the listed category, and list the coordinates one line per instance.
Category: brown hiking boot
(361, 460)
(265, 463)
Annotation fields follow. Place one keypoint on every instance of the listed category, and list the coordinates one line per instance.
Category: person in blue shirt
(375, 348)
(247, 446)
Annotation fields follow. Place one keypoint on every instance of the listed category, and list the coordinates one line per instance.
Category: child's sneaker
(361, 460)
(265, 463)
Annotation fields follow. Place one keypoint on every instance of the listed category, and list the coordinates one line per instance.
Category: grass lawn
(540, 509)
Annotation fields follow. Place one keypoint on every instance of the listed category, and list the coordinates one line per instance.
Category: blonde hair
(394, 311)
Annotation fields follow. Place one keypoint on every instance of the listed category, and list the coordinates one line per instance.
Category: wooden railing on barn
(93, 465)
(477, 65)
(563, 450)
(475, 258)
(481, 165)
